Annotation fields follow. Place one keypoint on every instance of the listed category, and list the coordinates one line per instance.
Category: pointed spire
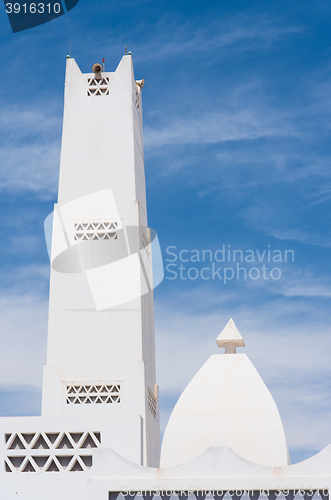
(230, 338)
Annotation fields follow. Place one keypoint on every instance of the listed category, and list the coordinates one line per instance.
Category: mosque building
(98, 436)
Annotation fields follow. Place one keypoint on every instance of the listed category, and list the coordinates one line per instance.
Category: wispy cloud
(300, 282)
(30, 150)
(226, 125)
(285, 223)
(23, 325)
(33, 131)
(241, 33)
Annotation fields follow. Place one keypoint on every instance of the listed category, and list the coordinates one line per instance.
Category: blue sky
(237, 152)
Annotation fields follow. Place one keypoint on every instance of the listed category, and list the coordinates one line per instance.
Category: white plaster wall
(91, 337)
(122, 433)
(97, 143)
(225, 404)
(217, 469)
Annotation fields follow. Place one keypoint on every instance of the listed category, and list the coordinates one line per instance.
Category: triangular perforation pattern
(88, 442)
(137, 98)
(100, 230)
(27, 437)
(52, 467)
(76, 467)
(28, 467)
(52, 436)
(145, 242)
(151, 402)
(98, 436)
(16, 444)
(39, 461)
(16, 461)
(94, 394)
(98, 86)
(87, 460)
(76, 436)
(47, 462)
(40, 444)
(64, 461)
(64, 443)
(7, 467)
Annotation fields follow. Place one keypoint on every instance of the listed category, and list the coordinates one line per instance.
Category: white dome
(226, 404)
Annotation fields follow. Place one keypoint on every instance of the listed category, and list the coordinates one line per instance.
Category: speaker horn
(140, 83)
(97, 68)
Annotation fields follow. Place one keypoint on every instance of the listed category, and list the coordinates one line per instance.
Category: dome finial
(230, 338)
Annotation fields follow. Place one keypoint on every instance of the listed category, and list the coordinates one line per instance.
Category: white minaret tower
(101, 353)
